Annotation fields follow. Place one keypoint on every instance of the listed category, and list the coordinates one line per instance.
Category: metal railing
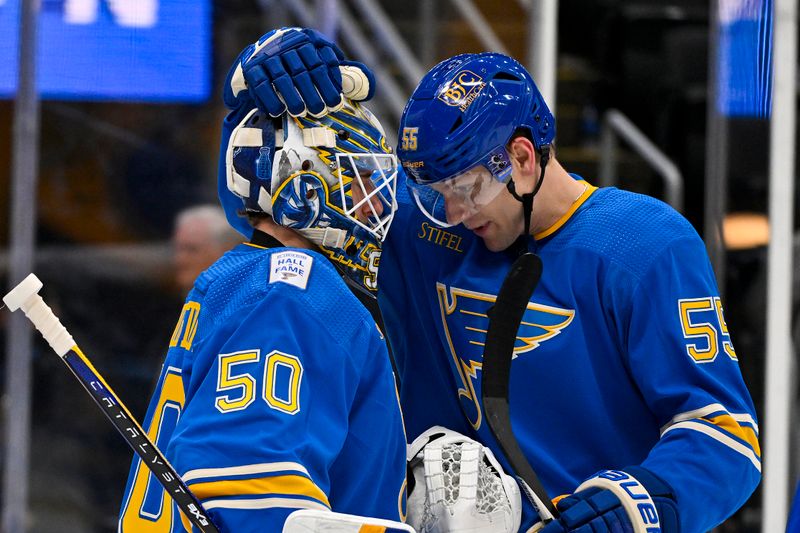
(483, 30)
(617, 125)
(393, 91)
(392, 94)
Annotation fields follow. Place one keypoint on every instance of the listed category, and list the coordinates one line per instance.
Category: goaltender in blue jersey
(262, 417)
(277, 391)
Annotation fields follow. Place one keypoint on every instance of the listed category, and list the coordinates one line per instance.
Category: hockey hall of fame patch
(290, 267)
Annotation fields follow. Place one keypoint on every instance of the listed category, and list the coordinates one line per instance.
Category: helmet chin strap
(526, 199)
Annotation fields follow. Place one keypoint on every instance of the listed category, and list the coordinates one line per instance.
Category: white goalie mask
(333, 179)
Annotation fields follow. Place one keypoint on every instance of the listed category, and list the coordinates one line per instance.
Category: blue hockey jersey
(623, 356)
(276, 394)
(793, 525)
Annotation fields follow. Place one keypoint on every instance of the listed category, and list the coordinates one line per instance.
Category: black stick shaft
(25, 296)
(504, 320)
(137, 439)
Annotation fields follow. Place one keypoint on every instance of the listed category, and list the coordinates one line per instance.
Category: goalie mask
(331, 179)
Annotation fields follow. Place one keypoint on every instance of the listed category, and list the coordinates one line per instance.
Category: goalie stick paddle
(319, 521)
(25, 296)
(504, 321)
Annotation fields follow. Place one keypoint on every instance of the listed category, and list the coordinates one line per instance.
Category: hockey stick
(504, 320)
(25, 296)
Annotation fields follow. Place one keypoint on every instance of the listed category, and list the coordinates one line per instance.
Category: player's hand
(296, 70)
(616, 501)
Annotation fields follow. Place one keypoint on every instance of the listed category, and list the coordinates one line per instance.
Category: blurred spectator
(201, 236)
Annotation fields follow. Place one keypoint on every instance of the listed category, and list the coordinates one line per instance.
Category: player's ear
(523, 154)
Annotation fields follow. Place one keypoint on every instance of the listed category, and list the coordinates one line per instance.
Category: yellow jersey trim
(747, 434)
(566, 216)
(287, 484)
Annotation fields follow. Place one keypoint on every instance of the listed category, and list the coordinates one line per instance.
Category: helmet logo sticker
(498, 163)
(462, 90)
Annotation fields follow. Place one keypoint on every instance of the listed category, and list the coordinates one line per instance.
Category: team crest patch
(462, 90)
(290, 267)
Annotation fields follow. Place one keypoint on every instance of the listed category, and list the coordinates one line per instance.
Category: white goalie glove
(458, 486)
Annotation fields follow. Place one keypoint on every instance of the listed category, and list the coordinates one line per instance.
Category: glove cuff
(358, 82)
(632, 494)
(655, 485)
(662, 493)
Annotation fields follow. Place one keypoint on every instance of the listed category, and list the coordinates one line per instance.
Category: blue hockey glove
(296, 70)
(629, 501)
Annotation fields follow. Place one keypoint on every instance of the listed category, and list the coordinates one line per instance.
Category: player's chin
(493, 236)
(494, 242)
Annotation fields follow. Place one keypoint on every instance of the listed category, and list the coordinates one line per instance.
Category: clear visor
(370, 197)
(452, 201)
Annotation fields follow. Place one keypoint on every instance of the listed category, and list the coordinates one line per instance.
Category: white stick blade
(315, 521)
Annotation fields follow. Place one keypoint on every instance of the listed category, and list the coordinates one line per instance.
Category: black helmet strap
(527, 198)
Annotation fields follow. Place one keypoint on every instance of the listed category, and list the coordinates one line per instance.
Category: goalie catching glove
(631, 501)
(299, 71)
(456, 485)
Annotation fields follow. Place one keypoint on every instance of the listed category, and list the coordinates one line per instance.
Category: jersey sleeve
(268, 414)
(684, 363)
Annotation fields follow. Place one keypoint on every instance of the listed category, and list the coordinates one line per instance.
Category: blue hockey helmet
(457, 123)
(331, 179)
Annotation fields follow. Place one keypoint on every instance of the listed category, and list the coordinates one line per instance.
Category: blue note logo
(465, 320)
(462, 90)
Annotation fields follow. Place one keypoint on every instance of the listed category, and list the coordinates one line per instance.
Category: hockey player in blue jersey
(277, 392)
(623, 359)
(625, 391)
